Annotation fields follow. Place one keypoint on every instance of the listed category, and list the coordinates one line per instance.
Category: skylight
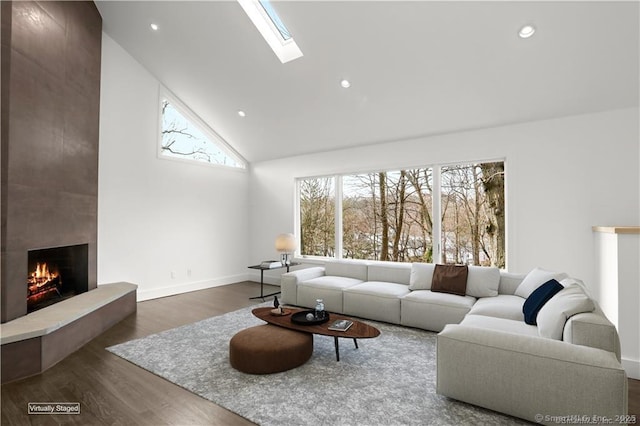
(272, 29)
(273, 15)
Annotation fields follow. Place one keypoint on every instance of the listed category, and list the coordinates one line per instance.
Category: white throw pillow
(535, 279)
(483, 281)
(421, 276)
(566, 303)
(570, 280)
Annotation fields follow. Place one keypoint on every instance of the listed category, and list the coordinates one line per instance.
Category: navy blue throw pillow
(538, 298)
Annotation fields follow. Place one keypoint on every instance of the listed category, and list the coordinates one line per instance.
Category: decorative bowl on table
(280, 312)
(308, 318)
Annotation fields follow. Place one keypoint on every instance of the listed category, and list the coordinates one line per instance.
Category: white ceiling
(416, 68)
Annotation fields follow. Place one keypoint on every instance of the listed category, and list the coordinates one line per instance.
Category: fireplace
(55, 274)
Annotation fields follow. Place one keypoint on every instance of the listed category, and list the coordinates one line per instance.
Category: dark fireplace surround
(51, 55)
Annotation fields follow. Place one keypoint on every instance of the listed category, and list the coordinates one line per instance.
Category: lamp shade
(286, 242)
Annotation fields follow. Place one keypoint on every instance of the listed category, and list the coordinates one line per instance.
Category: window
(317, 217)
(386, 216)
(275, 19)
(472, 206)
(391, 215)
(266, 20)
(184, 136)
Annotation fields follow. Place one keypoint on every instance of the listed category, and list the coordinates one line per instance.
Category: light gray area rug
(390, 380)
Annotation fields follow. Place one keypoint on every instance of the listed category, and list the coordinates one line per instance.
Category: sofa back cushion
(483, 281)
(391, 272)
(509, 282)
(554, 314)
(566, 282)
(421, 276)
(342, 268)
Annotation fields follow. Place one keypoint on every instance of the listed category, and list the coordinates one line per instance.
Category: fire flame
(42, 271)
(42, 275)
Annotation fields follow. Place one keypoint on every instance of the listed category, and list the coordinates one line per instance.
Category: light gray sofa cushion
(535, 279)
(342, 268)
(500, 324)
(566, 282)
(501, 306)
(379, 289)
(399, 273)
(432, 310)
(290, 280)
(327, 288)
(375, 300)
(421, 276)
(483, 281)
(509, 282)
(554, 314)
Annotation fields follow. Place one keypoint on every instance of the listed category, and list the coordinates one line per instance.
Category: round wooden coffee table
(359, 329)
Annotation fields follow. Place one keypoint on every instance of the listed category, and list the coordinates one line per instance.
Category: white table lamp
(286, 244)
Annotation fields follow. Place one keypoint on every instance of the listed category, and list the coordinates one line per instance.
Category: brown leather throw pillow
(450, 279)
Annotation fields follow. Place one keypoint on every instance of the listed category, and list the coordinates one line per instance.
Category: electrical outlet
(188, 272)
(173, 274)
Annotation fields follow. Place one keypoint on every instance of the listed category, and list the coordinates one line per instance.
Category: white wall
(156, 216)
(563, 176)
(618, 290)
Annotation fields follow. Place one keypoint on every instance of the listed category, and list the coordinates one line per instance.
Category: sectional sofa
(565, 367)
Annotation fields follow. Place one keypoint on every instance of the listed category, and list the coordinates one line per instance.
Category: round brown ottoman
(268, 349)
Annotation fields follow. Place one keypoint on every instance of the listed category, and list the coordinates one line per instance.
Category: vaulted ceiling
(416, 68)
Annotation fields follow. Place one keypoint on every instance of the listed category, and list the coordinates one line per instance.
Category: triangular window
(185, 136)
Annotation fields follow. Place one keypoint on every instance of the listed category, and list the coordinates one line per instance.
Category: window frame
(436, 208)
(195, 120)
(286, 50)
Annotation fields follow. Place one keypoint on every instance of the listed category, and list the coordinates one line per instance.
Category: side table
(262, 269)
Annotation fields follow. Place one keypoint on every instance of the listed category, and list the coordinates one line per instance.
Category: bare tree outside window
(183, 139)
(317, 217)
(472, 199)
(388, 215)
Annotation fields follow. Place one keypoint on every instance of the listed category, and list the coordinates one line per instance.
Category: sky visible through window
(282, 29)
(183, 139)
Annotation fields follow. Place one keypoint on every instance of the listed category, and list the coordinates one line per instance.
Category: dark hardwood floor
(112, 391)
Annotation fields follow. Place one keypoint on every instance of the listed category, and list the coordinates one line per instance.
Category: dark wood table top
(358, 330)
(264, 268)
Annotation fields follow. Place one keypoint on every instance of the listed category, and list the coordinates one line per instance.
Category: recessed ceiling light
(526, 31)
(345, 84)
(241, 113)
(154, 27)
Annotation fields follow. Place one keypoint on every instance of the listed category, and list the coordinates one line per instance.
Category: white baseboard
(155, 293)
(632, 367)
